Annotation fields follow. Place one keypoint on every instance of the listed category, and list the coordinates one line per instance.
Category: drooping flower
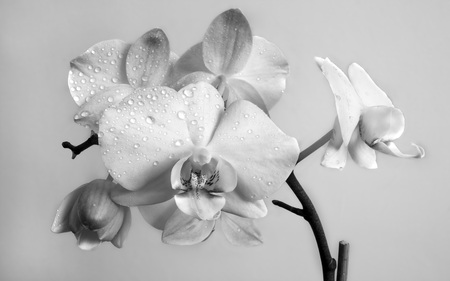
(162, 144)
(92, 216)
(366, 119)
(240, 65)
(111, 70)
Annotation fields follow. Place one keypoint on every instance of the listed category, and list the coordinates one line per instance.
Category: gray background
(396, 218)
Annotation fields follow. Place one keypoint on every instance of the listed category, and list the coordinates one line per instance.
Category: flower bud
(381, 124)
(92, 216)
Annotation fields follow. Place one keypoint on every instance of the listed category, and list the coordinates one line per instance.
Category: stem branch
(318, 144)
(92, 140)
(291, 209)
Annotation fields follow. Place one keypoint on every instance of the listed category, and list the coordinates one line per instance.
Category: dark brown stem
(328, 263)
(343, 261)
(92, 140)
(318, 144)
(291, 209)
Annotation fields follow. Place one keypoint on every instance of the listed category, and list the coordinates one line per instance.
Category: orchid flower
(161, 144)
(366, 119)
(92, 216)
(111, 70)
(240, 65)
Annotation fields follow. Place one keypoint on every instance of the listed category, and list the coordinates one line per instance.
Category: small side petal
(100, 67)
(227, 43)
(123, 232)
(240, 231)
(91, 111)
(182, 229)
(238, 205)
(87, 240)
(262, 155)
(148, 59)
(361, 153)
(266, 70)
(348, 103)
(61, 221)
(336, 153)
(391, 149)
(108, 232)
(158, 214)
(368, 91)
(241, 90)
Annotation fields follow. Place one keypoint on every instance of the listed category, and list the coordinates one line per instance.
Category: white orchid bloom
(240, 65)
(366, 119)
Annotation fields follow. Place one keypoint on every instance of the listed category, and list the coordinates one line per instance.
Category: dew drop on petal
(155, 163)
(181, 115)
(150, 120)
(84, 114)
(110, 99)
(136, 145)
(130, 102)
(188, 93)
(178, 143)
(132, 120)
(145, 139)
(276, 148)
(97, 69)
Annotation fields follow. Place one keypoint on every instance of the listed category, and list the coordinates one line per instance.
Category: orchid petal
(148, 59)
(91, 111)
(194, 77)
(171, 75)
(124, 229)
(157, 215)
(154, 191)
(241, 90)
(190, 61)
(348, 103)
(204, 109)
(61, 222)
(100, 67)
(227, 43)
(336, 152)
(240, 231)
(238, 205)
(381, 123)
(262, 155)
(266, 70)
(361, 153)
(368, 91)
(87, 240)
(182, 229)
(391, 149)
(199, 203)
(109, 231)
(141, 139)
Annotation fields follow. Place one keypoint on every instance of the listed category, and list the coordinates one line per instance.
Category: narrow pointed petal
(391, 149)
(241, 90)
(182, 229)
(192, 78)
(348, 103)
(190, 61)
(100, 67)
(227, 43)
(87, 240)
(368, 91)
(140, 139)
(238, 205)
(124, 229)
(148, 59)
(108, 232)
(240, 231)
(381, 123)
(153, 192)
(91, 111)
(199, 203)
(204, 110)
(266, 70)
(157, 215)
(361, 153)
(336, 153)
(61, 221)
(262, 155)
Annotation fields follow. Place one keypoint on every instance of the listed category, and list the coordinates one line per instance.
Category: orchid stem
(318, 144)
(291, 209)
(343, 261)
(310, 214)
(92, 140)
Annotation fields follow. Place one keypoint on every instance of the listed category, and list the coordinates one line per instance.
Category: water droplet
(130, 102)
(276, 148)
(136, 145)
(171, 155)
(242, 138)
(145, 139)
(178, 143)
(188, 93)
(194, 122)
(112, 129)
(110, 99)
(97, 69)
(76, 98)
(114, 80)
(201, 129)
(150, 119)
(155, 163)
(249, 131)
(132, 120)
(84, 114)
(181, 115)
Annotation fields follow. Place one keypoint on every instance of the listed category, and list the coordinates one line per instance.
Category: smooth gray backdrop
(397, 218)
